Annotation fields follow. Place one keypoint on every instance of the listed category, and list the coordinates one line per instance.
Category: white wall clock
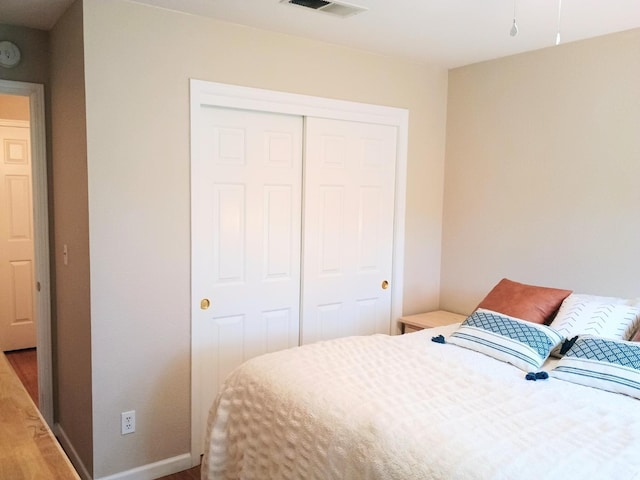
(9, 54)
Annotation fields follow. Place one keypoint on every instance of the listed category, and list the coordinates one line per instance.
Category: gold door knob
(385, 284)
(205, 303)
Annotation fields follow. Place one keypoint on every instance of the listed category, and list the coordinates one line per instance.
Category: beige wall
(138, 64)
(542, 170)
(14, 107)
(73, 330)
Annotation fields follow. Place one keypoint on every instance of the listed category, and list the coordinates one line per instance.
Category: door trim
(203, 93)
(35, 92)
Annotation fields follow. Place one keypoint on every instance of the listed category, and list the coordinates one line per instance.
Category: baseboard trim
(154, 470)
(67, 446)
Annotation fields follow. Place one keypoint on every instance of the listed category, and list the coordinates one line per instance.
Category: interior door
(348, 228)
(17, 322)
(246, 222)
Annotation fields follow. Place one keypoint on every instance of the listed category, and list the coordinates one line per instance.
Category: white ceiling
(40, 14)
(450, 33)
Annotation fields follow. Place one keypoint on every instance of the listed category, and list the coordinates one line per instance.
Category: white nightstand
(437, 318)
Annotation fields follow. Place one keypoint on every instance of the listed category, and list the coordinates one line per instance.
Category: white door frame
(205, 93)
(35, 92)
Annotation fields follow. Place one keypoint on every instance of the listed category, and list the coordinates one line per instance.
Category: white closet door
(246, 215)
(348, 228)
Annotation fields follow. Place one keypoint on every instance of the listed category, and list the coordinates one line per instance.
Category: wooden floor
(25, 364)
(191, 474)
(28, 448)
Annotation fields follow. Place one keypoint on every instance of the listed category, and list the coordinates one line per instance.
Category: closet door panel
(348, 228)
(229, 203)
(331, 230)
(279, 232)
(246, 240)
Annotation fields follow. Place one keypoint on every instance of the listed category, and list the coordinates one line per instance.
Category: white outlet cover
(128, 422)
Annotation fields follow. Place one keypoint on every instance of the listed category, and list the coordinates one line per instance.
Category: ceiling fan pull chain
(559, 14)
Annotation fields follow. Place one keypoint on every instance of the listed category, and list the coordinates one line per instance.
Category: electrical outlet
(128, 422)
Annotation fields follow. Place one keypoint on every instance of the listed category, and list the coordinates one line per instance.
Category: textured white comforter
(404, 407)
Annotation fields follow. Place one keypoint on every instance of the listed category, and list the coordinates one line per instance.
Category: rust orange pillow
(527, 302)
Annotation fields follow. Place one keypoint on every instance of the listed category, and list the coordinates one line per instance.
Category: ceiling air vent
(339, 9)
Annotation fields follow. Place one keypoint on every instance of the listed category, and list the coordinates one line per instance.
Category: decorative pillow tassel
(537, 376)
(567, 344)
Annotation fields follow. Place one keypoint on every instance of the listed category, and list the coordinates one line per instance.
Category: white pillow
(612, 365)
(634, 302)
(600, 316)
(518, 342)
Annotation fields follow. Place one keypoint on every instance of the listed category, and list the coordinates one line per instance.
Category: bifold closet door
(246, 224)
(349, 185)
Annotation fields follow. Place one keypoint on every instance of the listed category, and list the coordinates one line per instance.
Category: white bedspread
(404, 407)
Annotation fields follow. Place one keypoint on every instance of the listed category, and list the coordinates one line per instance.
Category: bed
(408, 407)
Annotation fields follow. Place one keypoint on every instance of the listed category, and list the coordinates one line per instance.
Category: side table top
(437, 318)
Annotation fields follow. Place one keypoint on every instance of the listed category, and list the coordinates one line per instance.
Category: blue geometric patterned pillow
(612, 365)
(518, 342)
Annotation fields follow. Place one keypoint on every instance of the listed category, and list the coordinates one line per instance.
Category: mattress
(404, 407)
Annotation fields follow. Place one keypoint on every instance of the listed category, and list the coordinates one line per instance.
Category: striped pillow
(580, 314)
(518, 342)
(611, 365)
